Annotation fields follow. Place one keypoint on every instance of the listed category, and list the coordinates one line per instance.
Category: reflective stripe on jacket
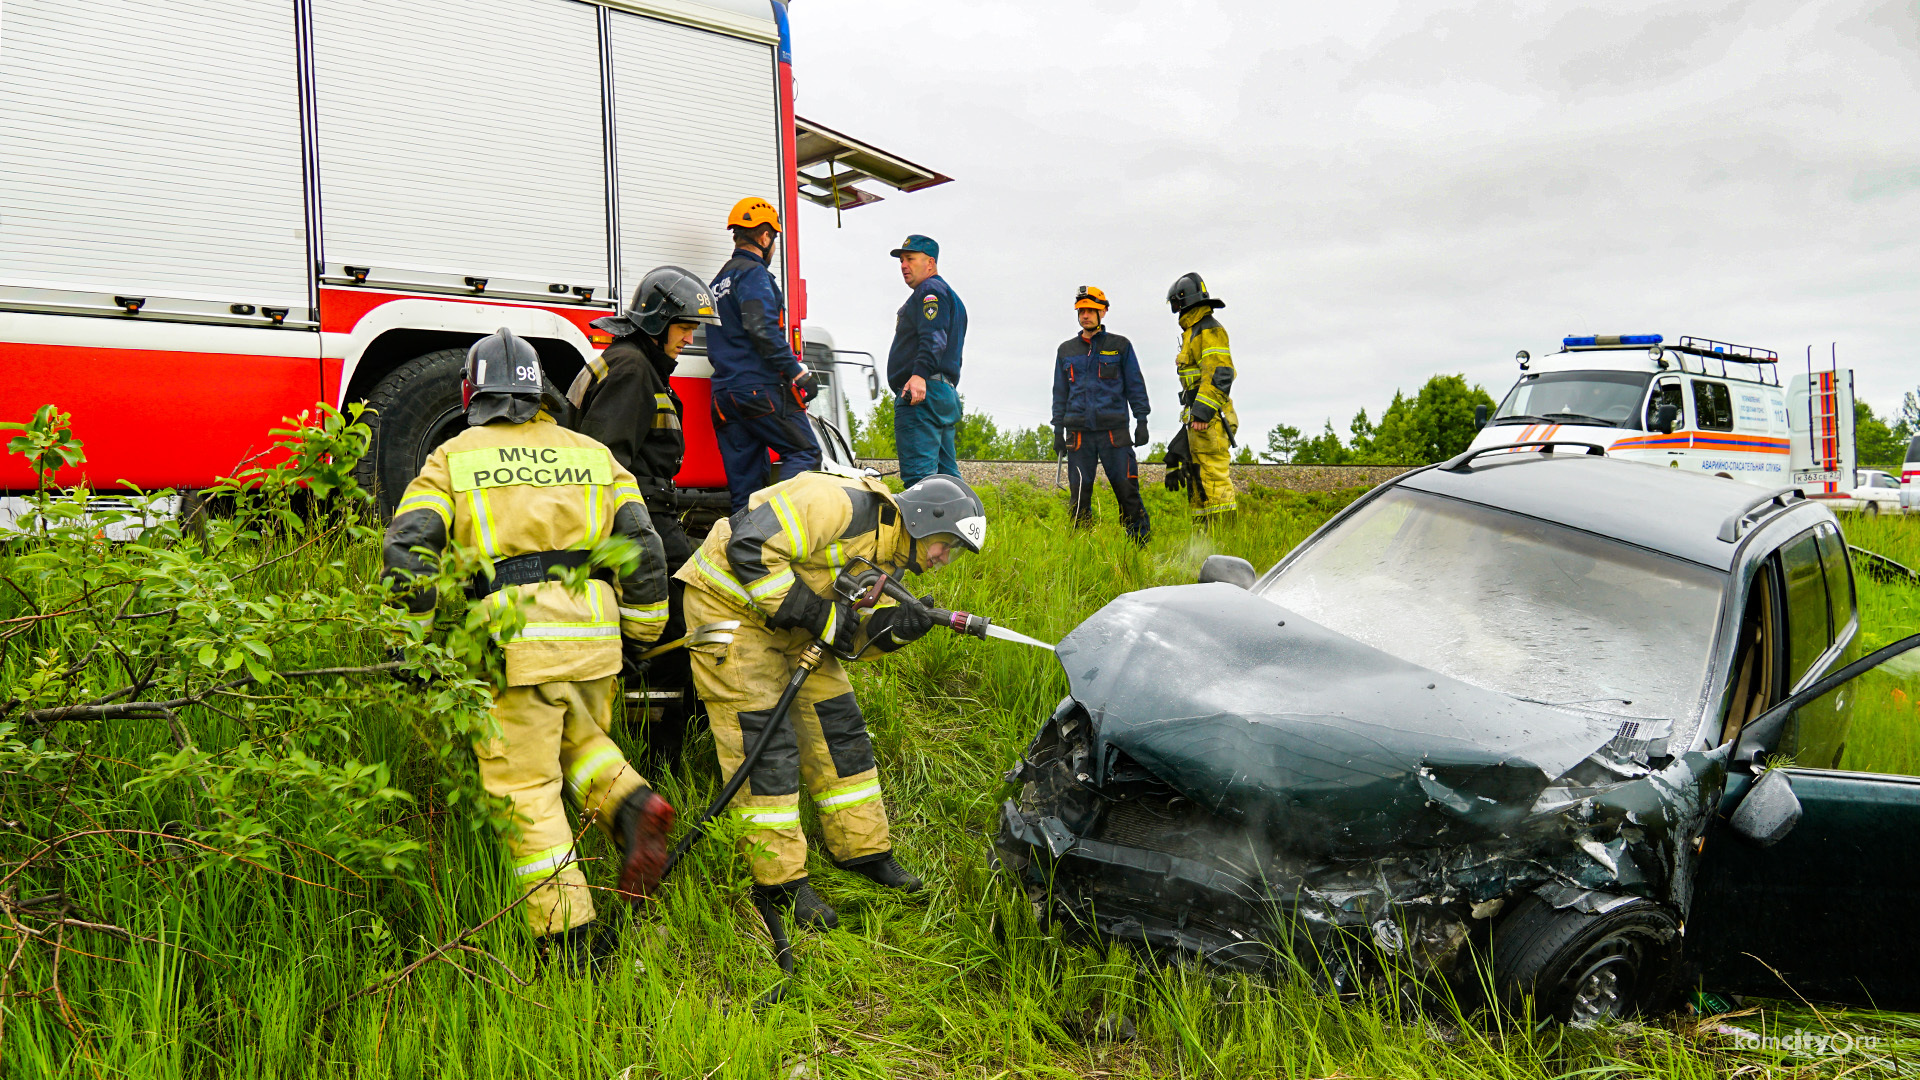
(793, 540)
(514, 489)
(1205, 365)
(625, 401)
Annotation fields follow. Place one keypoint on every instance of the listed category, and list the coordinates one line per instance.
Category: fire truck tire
(411, 411)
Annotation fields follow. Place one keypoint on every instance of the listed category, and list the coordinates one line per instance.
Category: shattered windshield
(1602, 398)
(1513, 604)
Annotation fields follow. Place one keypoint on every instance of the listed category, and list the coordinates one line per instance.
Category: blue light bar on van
(1597, 340)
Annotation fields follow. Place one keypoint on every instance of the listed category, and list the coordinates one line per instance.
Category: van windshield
(1514, 604)
(1600, 398)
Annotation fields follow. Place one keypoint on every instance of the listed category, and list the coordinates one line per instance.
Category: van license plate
(1828, 477)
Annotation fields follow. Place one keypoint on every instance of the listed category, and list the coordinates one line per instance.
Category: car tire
(410, 412)
(1585, 966)
(1873, 509)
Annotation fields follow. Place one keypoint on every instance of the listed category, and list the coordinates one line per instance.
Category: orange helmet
(1090, 297)
(751, 211)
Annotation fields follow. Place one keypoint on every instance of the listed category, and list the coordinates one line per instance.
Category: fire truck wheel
(411, 411)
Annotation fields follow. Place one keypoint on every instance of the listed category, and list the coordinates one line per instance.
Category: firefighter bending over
(1198, 456)
(773, 568)
(533, 497)
(626, 402)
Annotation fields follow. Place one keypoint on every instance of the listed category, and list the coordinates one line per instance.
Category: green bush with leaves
(182, 705)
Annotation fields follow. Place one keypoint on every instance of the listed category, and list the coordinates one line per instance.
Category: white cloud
(1380, 191)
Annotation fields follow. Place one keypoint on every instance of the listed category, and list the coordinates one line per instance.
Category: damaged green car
(1513, 712)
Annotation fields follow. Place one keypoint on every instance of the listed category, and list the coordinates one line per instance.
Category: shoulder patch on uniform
(931, 309)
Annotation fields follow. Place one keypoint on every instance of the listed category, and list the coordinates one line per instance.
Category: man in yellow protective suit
(773, 567)
(1198, 456)
(535, 498)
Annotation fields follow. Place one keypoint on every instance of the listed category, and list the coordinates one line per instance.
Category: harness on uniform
(533, 568)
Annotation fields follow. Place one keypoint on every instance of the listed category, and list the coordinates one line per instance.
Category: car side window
(1833, 560)
(1809, 630)
(1712, 406)
(1665, 392)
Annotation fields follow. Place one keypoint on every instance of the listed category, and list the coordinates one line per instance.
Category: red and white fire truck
(214, 213)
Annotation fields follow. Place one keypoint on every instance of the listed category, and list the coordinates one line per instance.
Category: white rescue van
(1700, 405)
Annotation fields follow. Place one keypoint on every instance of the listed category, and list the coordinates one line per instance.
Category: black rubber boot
(585, 949)
(884, 869)
(809, 911)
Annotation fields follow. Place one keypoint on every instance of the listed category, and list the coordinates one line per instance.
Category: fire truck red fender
(349, 325)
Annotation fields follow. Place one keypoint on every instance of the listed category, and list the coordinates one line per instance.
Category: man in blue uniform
(1096, 379)
(760, 390)
(923, 367)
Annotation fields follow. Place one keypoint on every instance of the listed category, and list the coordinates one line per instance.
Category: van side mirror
(873, 385)
(1664, 423)
(1770, 810)
(1228, 568)
(1479, 417)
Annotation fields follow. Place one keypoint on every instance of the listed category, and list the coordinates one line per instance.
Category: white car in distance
(1874, 492)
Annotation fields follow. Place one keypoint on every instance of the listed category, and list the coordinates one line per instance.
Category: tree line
(1432, 425)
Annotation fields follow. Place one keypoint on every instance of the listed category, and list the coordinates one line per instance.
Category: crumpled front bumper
(1161, 900)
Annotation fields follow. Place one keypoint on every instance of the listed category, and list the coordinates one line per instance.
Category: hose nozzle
(961, 622)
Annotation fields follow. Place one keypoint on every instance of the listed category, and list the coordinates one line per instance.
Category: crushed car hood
(1256, 712)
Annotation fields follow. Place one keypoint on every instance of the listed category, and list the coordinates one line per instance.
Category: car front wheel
(1582, 966)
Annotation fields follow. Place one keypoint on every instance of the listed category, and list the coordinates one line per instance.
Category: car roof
(1661, 509)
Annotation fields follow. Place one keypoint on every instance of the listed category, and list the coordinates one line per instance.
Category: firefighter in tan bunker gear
(773, 567)
(535, 497)
(1207, 421)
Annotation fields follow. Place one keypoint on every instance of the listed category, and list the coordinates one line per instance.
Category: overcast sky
(1380, 191)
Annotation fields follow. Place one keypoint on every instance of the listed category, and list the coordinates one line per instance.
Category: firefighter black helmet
(502, 379)
(1188, 291)
(944, 505)
(667, 294)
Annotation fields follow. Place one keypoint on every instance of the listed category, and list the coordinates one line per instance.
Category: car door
(1826, 912)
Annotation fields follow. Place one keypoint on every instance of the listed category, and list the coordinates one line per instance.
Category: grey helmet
(944, 505)
(1188, 291)
(502, 380)
(667, 294)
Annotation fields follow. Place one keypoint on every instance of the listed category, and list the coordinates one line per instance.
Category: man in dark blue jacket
(760, 390)
(923, 367)
(1096, 378)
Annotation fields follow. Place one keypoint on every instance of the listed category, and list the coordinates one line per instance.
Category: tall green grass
(252, 974)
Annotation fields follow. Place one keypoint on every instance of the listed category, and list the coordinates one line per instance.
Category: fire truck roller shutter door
(675, 192)
(97, 102)
(421, 172)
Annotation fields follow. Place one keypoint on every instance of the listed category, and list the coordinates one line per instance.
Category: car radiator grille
(1152, 825)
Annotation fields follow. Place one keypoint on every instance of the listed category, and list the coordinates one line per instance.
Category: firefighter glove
(632, 664)
(806, 387)
(1140, 434)
(1059, 442)
(891, 627)
(1180, 471)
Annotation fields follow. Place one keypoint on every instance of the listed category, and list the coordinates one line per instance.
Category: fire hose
(860, 590)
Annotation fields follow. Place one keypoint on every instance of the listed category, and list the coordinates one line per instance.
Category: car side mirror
(1228, 568)
(1665, 419)
(1479, 417)
(1770, 810)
